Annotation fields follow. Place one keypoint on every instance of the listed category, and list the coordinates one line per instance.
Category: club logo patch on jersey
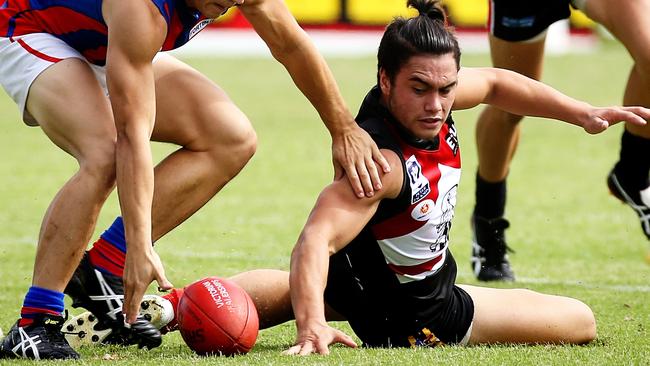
(419, 183)
(199, 27)
(423, 211)
(452, 139)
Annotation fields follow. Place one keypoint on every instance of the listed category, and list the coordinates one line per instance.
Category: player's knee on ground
(584, 323)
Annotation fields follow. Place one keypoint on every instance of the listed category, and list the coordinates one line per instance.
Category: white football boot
(80, 330)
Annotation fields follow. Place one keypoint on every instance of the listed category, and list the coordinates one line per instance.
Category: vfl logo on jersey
(199, 27)
(419, 183)
(423, 211)
(452, 139)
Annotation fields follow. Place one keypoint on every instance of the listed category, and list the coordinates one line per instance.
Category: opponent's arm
(336, 219)
(524, 96)
(136, 31)
(352, 148)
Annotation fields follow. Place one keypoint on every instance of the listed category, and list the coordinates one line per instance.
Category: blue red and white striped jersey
(80, 24)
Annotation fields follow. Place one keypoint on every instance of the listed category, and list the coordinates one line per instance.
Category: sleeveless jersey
(80, 24)
(398, 273)
(414, 239)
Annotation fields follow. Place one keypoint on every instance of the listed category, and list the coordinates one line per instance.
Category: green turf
(570, 236)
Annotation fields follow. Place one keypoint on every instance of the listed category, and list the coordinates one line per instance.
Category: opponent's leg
(530, 317)
(86, 133)
(216, 142)
(628, 181)
(497, 136)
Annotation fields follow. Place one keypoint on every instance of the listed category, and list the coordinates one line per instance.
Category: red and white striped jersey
(414, 241)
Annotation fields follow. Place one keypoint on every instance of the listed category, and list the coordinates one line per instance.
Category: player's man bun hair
(428, 8)
(426, 33)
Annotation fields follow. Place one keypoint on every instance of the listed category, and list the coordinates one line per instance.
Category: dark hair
(426, 33)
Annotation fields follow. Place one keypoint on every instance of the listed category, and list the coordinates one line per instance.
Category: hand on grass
(316, 338)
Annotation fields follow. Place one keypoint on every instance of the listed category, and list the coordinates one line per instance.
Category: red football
(217, 317)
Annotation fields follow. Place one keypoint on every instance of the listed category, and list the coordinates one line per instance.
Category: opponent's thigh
(629, 22)
(192, 111)
(72, 109)
(524, 316)
(526, 58)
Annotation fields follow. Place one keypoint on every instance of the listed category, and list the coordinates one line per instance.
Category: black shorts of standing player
(384, 313)
(523, 20)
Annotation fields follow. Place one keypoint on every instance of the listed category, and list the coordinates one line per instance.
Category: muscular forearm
(313, 77)
(291, 46)
(307, 280)
(518, 94)
(135, 188)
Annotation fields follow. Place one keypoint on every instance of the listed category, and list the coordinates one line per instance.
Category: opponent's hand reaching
(140, 269)
(599, 119)
(316, 337)
(355, 153)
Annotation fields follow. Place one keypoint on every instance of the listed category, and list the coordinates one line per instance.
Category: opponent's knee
(99, 166)
(237, 150)
(246, 146)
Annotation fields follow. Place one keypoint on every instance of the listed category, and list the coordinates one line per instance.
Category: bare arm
(136, 32)
(336, 219)
(352, 148)
(521, 95)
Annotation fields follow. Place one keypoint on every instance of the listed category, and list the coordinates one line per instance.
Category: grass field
(571, 237)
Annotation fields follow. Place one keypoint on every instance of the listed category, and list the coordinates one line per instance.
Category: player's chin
(427, 132)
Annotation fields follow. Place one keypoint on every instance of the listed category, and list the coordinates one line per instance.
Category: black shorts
(522, 20)
(384, 313)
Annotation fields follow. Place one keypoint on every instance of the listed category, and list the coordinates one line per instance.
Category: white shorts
(23, 58)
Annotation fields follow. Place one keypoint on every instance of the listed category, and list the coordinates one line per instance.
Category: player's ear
(384, 82)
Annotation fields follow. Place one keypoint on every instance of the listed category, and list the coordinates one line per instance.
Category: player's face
(422, 93)
(213, 8)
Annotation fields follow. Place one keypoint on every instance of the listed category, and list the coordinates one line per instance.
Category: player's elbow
(312, 239)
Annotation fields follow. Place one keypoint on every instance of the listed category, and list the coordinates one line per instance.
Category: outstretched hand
(316, 338)
(140, 269)
(355, 153)
(600, 118)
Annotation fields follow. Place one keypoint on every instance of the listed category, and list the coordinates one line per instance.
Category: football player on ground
(59, 60)
(517, 38)
(383, 263)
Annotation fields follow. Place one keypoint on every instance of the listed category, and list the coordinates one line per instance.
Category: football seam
(248, 318)
(212, 321)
